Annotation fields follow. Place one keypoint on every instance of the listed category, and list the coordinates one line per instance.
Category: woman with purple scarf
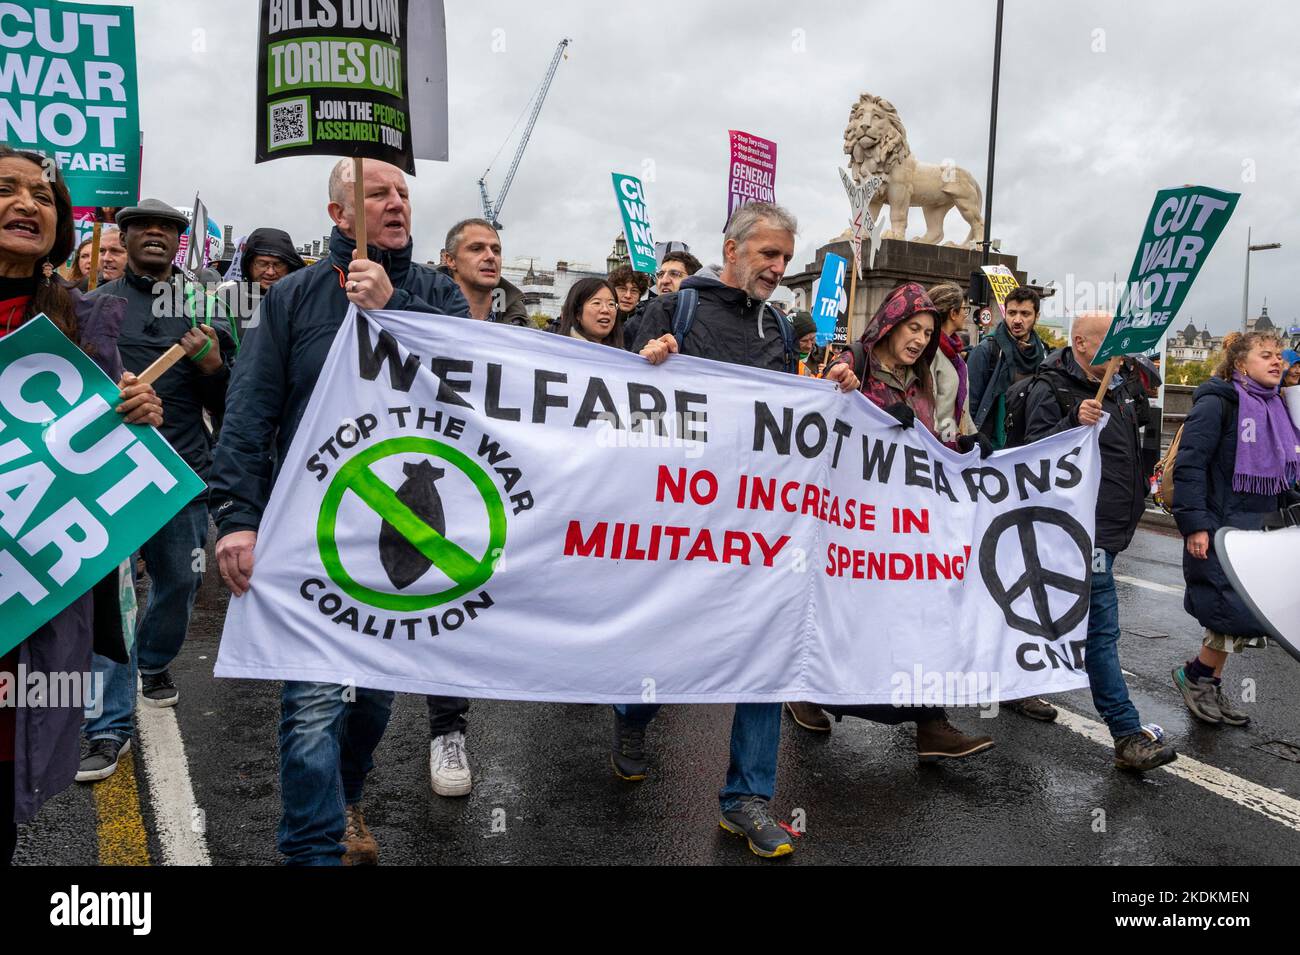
(1237, 465)
(951, 381)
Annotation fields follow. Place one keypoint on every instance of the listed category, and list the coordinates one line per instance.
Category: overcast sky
(1102, 103)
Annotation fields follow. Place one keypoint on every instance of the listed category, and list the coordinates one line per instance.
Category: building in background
(618, 255)
(1192, 344)
(545, 290)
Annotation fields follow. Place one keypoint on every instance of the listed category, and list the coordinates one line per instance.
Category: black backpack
(688, 299)
(1015, 403)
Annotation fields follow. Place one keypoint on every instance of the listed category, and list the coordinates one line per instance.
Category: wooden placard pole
(1111, 365)
(359, 206)
(155, 371)
(92, 280)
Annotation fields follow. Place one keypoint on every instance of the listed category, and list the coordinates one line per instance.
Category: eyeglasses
(270, 265)
(670, 274)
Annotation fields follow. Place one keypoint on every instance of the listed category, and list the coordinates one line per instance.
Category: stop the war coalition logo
(398, 563)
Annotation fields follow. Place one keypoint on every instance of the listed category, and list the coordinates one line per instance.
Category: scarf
(950, 345)
(14, 296)
(1024, 362)
(1271, 462)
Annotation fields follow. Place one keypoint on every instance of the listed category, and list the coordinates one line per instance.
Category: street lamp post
(993, 138)
(1245, 291)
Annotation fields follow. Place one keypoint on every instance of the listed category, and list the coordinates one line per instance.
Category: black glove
(967, 441)
(900, 412)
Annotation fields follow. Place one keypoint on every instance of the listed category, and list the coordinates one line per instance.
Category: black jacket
(632, 324)
(283, 355)
(147, 333)
(1205, 501)
(1121, 498)
(729, 325)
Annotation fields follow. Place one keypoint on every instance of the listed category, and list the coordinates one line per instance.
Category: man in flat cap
(162, 310)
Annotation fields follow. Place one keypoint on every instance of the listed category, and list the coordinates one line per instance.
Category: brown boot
(810, 716)
(1032, 707)
(939, 739)
(359, 846)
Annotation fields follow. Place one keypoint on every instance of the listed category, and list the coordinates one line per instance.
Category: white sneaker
(449, 765)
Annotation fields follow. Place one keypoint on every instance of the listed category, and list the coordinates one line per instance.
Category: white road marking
(1274, 805)
(1148, 584)
(181, 825)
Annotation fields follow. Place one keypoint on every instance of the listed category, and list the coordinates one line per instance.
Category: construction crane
(490, 210)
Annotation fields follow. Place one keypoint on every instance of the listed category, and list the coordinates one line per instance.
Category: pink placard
(752, 176)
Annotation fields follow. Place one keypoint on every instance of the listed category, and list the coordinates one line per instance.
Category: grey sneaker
(1198, 695)
(99, 758)
(752, 820)
(1228, 709)
(157, 689)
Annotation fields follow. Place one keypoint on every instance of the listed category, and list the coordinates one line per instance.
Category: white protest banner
(473, 511)
(860, 223)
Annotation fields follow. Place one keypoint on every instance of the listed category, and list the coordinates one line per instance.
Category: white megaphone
(1260, 566)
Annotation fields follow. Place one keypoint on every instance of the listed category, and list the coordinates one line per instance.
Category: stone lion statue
(876, 144)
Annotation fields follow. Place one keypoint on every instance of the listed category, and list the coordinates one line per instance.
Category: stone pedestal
(896, 262)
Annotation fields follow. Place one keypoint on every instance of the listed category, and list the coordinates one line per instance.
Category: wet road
(543, 791)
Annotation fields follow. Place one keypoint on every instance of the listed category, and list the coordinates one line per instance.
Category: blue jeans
(113, 711)
(174, 559)
(1101, 656)
(327, 747)
(755, 739)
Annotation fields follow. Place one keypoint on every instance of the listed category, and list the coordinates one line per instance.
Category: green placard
(636, 222)
(69, 84)
(79, 489)
(1181, 229)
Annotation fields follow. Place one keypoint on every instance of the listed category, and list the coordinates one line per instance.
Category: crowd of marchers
(232, 406)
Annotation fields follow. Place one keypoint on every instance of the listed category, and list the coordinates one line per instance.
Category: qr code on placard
(289, 123)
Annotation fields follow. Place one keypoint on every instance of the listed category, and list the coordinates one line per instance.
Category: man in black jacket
(1014, 351)
(734, 324)
(162, 309)
(1064, 397)
(327, 732)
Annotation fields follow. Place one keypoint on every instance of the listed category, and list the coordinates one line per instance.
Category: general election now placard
(68, 79)
(473, 511)
(352, 78)
(79, 489)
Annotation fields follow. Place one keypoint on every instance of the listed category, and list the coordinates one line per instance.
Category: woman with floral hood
(893, 362)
